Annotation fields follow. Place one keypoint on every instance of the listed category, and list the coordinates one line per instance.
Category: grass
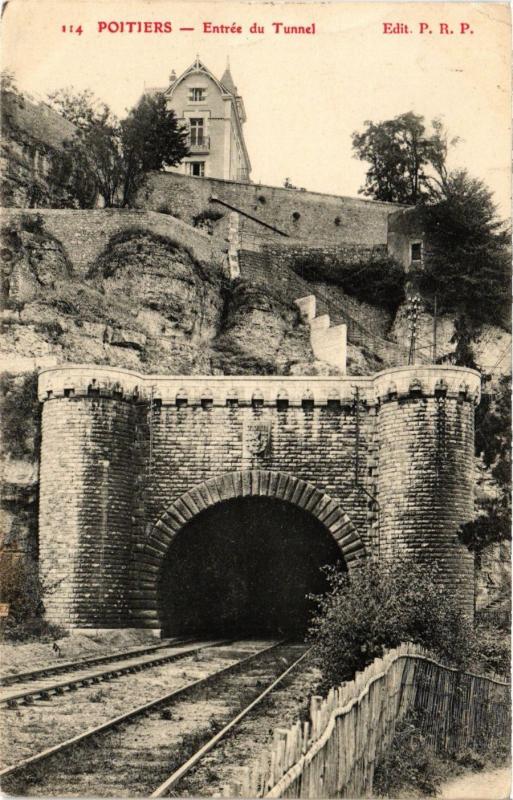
(376, 278)
(99, 696)
(412, 767)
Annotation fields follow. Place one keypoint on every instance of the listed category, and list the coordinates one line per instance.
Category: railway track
(165, 739)
(81, 674)
(56, 668)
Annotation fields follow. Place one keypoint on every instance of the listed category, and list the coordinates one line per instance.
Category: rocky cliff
(32, 134)
(146, 303)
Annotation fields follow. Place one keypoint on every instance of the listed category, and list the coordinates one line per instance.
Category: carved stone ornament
(258, 435)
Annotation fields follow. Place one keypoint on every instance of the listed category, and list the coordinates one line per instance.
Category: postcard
(256, 399)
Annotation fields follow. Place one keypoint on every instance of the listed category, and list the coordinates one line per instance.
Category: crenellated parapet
(458, 383)
(390, 454)
(274, 390)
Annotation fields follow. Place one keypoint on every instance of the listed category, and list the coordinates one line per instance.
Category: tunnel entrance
(245, 567)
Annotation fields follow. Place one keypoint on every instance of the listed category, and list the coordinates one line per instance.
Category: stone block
(307, 307)
(123, 337)
(330, 345)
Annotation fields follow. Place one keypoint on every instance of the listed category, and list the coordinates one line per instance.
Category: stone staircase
(329, 342)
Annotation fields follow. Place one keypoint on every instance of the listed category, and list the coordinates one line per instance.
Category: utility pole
(150, 420)
(356, 409)
(435, 322)
(413, 313)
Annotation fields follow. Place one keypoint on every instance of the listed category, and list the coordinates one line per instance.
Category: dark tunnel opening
(245, 567)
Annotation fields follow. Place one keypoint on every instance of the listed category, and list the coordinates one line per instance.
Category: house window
(196, 95)
(197, 168)
(416, 252)
(197, 130)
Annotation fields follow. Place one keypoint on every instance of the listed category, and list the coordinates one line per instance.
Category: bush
(413, 767)
(33, 223)
(493, 649)
(410, 764)
(379, 280)
(21, 415)
(378, 606)
(21, 587)
(205, 219)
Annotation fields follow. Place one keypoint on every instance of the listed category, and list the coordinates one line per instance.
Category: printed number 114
(72, 29)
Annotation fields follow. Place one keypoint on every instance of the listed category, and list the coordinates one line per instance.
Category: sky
(304, 93)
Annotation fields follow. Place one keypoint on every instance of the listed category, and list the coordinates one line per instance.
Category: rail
(188, 765)
(199, 144)
(46, 690)
(134, 713)
(55, 668)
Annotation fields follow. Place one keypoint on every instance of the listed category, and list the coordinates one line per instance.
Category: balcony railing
(199, 144)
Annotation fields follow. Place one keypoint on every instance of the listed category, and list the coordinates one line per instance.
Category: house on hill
(213, 112)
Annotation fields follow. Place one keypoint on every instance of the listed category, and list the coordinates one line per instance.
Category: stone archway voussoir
(183, 509)
(297, 494)
(174, 516)
(195, 497)
(172, 522)
(214, 490)
(283, 486)
(339, 527)
(313, 501)
(254, 478)
(273, 484)
(226, 487)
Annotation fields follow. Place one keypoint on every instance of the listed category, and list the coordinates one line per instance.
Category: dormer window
(196, 95)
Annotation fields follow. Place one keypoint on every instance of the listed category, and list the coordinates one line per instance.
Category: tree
(493, 446)
(404, 159)
(467, 264)
(379, 605)
(150, 140)
(110, 158)
(91, 161)
(90, 164)
(82, 109)
(8, 81)
(464, 337)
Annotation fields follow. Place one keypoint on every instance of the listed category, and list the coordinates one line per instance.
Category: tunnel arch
(246, 483)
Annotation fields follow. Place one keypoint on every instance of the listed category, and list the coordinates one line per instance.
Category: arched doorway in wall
(240, 555)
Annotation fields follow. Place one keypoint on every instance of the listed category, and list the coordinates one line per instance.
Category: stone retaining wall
(85, 234)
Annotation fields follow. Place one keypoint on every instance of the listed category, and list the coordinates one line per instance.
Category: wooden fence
(335, 753)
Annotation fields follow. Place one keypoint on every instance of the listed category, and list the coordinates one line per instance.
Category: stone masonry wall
(301, 214)
(119, 448)
(85, 234)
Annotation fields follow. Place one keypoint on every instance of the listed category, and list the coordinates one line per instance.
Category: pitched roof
(227, 81)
